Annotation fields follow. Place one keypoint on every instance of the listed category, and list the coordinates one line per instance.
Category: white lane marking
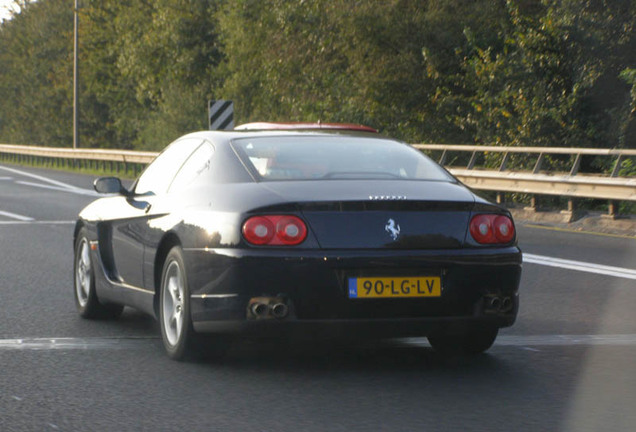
(6, 178)
(524, 342)
(16, 216)
(34, 222)
(550, 340)
(75, 343)
(567, 340)
(43, 179)
(63, 189)
(580, 266)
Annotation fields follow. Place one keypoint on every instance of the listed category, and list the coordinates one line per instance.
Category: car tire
(86, 301)
(180, 340)
(470, 342)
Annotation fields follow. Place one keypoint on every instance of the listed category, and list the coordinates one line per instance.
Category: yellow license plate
(389, 287)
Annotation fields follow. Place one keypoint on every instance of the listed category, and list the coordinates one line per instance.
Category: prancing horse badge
(393, 229)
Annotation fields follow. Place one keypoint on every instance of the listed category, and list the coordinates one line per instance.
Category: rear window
(335, 158)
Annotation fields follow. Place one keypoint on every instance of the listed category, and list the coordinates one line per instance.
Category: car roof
(305, 126)
(218, 136)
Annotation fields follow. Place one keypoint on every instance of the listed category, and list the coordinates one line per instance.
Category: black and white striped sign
(221, 114)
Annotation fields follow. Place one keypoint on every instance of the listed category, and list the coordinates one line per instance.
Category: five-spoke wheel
(174, 307)
(83, 272)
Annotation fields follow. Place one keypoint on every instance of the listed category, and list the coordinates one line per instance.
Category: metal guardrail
(113, 160)
(536, 181)
(123, 156)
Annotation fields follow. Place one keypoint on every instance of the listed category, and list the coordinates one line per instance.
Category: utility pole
(76, 76)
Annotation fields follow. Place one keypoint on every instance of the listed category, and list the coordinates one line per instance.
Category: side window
(159, 174)
(197, 165)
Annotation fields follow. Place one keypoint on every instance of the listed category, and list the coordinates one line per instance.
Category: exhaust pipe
(506, 304)
(495, 303)
(267, 308)
(280, 310)
(259, 310)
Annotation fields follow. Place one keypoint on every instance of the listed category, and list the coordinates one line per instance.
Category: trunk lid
(371, 214)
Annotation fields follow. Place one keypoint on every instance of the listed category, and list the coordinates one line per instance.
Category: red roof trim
(301, 126)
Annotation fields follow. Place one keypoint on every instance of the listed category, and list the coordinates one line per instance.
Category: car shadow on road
(389, 355)
(131, 323)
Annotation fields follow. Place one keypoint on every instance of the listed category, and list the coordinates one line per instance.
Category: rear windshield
(337, 158)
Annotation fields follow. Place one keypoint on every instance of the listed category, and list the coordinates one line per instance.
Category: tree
(555, 79)
(151, 68)
(508, 72)
(36, 58)
(338, 60)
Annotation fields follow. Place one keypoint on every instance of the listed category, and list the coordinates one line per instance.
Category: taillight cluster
(275, 230)
(492, 229)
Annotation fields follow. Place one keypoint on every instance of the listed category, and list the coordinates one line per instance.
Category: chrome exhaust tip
(495, 303)
(506, 304)
(259, 310)
(280, 310)
(266, 307)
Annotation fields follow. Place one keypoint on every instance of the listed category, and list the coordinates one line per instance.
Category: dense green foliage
(508, 72)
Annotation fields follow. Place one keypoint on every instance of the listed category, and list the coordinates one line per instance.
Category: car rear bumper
(313, 286)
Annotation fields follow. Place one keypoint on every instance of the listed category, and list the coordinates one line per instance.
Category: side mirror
(109, 185)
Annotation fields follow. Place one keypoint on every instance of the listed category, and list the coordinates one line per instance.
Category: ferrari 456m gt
(298, 230)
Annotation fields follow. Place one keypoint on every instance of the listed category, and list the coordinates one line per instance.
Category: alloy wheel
(83, 273)
(173, 306)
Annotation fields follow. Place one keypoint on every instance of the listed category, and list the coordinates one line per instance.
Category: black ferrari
(298, 230)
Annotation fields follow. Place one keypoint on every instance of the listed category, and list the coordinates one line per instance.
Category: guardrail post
(504, 162)
(617, 167)
(612, 210)
(533, 204)
(473, 159)
(577, 164)
(537, 166)
(570, 213)
(442, 159)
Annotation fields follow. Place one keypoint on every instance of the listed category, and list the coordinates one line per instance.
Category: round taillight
(290, 230)
(492, 229)
(275, 230)
(481, 229)
(504, 229)
(258, 230)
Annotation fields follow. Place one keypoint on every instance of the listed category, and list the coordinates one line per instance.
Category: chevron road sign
(221, 114)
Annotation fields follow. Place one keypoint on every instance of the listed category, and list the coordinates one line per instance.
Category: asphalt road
(567, 364)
